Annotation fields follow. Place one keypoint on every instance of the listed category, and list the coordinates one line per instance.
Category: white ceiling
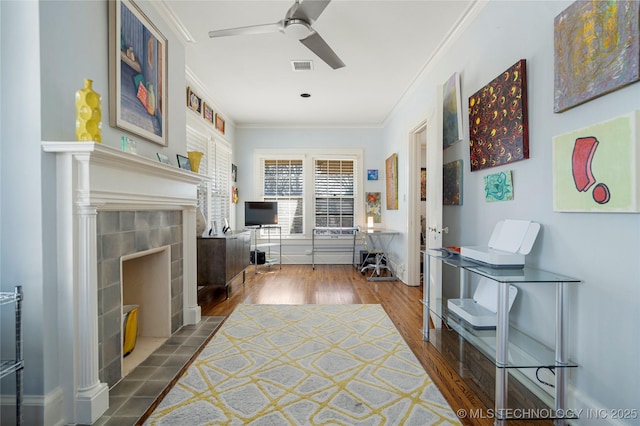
(385, 44)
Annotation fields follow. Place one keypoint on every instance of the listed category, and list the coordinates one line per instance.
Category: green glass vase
(88, 114)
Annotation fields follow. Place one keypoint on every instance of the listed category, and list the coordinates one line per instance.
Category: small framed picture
(207, 112)
(163, 158)
(234, 173)
(183, 162)
(194, 101)
(220, 123)
(372, 174)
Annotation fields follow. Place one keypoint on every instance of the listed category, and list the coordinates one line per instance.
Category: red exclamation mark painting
(583, 152)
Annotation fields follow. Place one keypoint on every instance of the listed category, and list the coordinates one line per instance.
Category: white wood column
(191, 310)
(92, 396)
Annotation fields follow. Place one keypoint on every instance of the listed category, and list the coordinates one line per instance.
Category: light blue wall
(603, 250)
(22, 225)
(249, 139)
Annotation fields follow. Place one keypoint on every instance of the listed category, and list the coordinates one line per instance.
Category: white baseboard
(592, 412)
(36, 409)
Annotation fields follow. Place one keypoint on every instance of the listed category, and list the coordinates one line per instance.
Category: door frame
(432, 126)
(414, 204)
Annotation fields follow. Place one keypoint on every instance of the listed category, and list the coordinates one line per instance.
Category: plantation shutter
(197, 141)
(221, 191)
(214, 194)
(334, 193)
(284, 183)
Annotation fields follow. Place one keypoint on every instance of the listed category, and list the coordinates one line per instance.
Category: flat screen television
(259, 213)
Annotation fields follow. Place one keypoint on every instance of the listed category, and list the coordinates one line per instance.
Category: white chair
(375, 260)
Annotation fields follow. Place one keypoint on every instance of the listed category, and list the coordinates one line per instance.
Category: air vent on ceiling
(302, 65)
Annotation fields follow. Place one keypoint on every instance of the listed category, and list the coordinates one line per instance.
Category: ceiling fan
(297, 22)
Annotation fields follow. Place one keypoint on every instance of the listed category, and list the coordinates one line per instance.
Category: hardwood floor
(342, 284)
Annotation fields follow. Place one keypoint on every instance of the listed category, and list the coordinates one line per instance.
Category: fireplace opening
(146, 282)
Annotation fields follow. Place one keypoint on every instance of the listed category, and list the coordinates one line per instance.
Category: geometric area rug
(305, 365)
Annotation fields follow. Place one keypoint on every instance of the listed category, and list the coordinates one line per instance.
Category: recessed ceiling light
(305, 95)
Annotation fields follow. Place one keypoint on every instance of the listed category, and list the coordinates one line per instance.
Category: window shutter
(197, 141)
(214, 196)
(284, 183)
(221, 192)
(335, 193)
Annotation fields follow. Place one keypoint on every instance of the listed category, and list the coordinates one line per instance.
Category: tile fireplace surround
(97, 186)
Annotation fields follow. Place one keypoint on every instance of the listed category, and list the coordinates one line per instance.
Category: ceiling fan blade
(249, 30)
(317, 45)
(308, 10)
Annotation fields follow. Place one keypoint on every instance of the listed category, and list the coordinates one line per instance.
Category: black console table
(221, 258)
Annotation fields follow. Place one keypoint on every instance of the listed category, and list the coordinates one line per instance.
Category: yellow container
(129, 328)
(88, 114)
(194, 159)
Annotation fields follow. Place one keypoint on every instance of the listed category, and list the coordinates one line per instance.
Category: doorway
(425, 147)
(416, 206)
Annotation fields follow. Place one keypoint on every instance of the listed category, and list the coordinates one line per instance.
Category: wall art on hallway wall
(595, 169)
(391, 176)
(452, 183)
(596, 50)
(498, 125)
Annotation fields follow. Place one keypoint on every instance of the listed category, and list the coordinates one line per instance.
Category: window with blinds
(284, 183)
(214, 196)
(334, 187)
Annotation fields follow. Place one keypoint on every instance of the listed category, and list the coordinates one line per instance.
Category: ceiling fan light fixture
(298, 28)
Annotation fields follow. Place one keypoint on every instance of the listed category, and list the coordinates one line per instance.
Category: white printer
(480, 312)
(510, 241)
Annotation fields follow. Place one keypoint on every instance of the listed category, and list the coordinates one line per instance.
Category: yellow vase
(88, 114)
(194, 159)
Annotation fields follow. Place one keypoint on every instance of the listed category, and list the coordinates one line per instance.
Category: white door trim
(413, 205)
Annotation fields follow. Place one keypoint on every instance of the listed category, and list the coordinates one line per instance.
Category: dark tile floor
(133, 395)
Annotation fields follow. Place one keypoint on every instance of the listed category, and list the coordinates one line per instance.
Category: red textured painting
(498, 129)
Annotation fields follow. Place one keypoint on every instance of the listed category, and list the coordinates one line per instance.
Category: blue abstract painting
(498, 186)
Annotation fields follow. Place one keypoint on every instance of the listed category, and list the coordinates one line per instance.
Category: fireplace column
(191, 310)
(92, 397)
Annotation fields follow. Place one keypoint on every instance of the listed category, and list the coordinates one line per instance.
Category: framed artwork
(451, 111)
(596, 47)
(163, 158)
(373, 206)
(595, 169)
(498, 125)
(207, 112)
(137, 73)
(391, 168)
(234, 173)
(234, 195)
(194, 102)
(183, 162)
(372, 174)
(220, 123)
(452, 183)
(498, 187)
(423, 184)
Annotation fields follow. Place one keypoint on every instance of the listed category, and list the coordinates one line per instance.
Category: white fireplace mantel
(91, 177)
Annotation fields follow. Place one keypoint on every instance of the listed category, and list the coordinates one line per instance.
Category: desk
(378, 243)
(326, 232)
